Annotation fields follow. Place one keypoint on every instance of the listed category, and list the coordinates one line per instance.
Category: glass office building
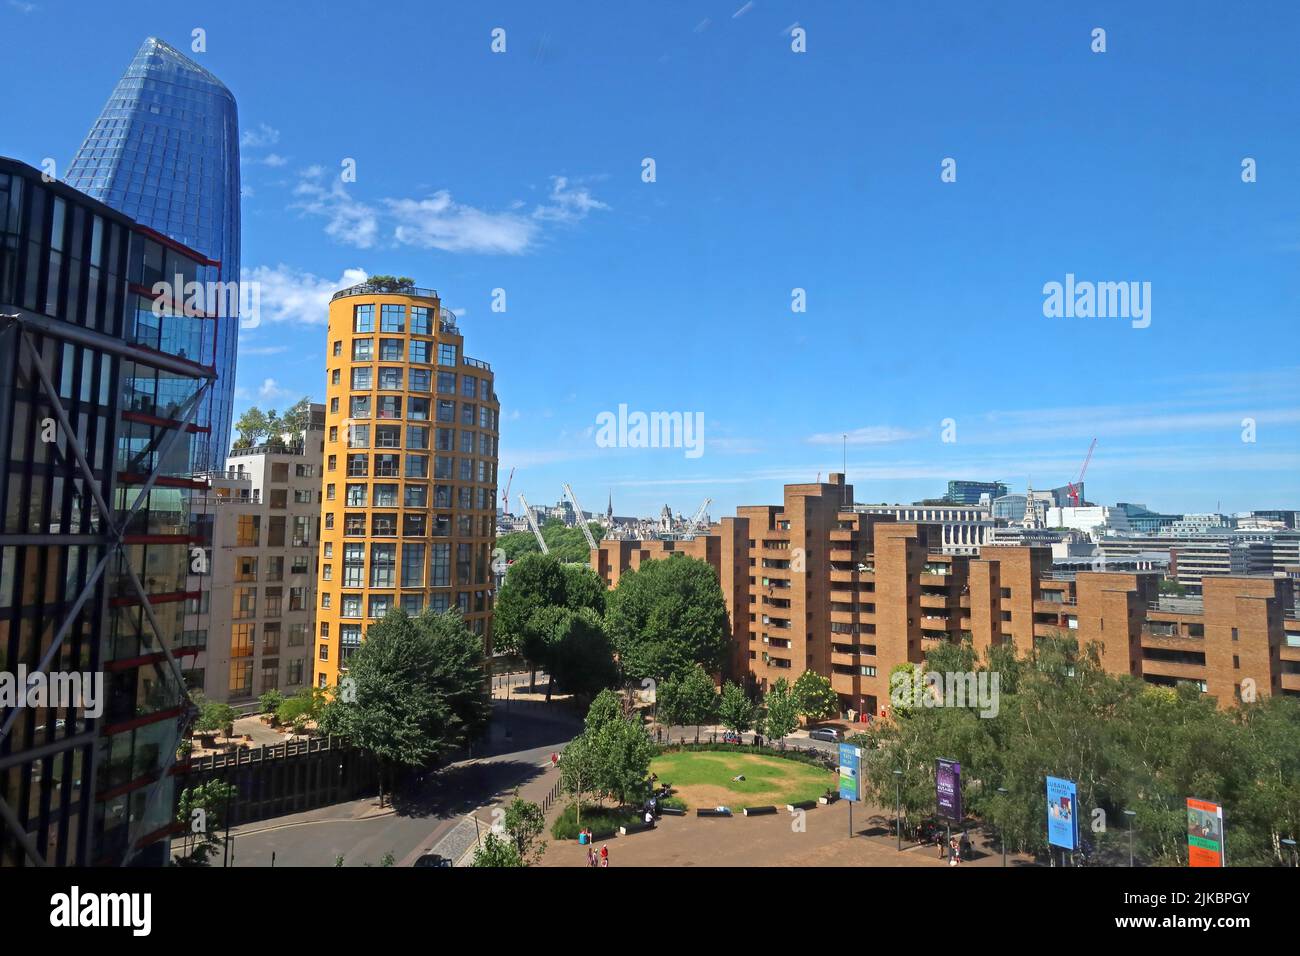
(165, 152)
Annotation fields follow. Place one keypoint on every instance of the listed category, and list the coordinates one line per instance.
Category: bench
(672, 811)
(758, 811)
(712, 812)
(828, 798)
(804, 805)
(628, 828)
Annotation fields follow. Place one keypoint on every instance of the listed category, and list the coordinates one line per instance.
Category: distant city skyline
(777, 172)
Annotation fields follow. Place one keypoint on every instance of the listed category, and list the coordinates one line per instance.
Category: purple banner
(947, 788)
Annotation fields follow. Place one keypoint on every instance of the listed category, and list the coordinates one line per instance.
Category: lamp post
(1002, 830)
(1130, 814)
(898, 807)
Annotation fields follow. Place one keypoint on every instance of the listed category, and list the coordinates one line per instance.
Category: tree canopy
(668, 616)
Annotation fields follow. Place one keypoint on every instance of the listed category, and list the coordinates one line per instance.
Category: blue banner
(1062, 813)
(850, 772)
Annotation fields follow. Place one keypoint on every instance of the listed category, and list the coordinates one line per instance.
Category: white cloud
(350, 221)
(868, 435)
(743, 10)
(567, 205)
(440, 222)
(259, 137)
(273, 160)
(292, 295)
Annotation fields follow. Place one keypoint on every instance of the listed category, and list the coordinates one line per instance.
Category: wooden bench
(805, 805)
(758, 811)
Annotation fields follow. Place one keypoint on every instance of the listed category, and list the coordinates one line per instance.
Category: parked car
(828, 734)
(432, 859)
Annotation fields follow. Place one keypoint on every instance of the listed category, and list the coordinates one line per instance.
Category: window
(447, 382)
(298, 634)
(414, 525)
(361, 378)
(484, 390)
(354, 564)
(421, 379)
(359, 406)
(417, 409)
(380, 604)
(334, 376)
(447, 354)
(356, 496)
(388, 436)
(383, 560)
(245, 603)
(420, 323)
(350, 605)
(467, 443)
(275, 568)
(334, 403)
(349, 640)
(274, 598)
(385, 496)
(446, 439)
(440, 565)
(467, 414)
(358, 436)
(358, 466)
(419, 352)
(411, 604)
(363, 318)
(295, 673)
(389, 406)
(417, 466)
(362, 350)
(383, 525)
(354, 525)
(297, 599)
(324, 655)
(247, 533)
(417, 437)
(462, 564)
(437, 603)
(246, 569)
(392, 318)
(442, 466)
(416, 496)
(390, 379)
(338, 348)
(271, 638)
(300, 538)
(386, 466)
(468, 386)
(390, 350)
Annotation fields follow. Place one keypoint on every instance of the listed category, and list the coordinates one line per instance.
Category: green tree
(583, 588)
(668, 616)
(270, 702)
(496, 852)
(573, 648)
(387, 283)
(580, 770)
(782, 711)
(735, 709)
(253, 426)
(605, 709)
(814, 697)
(699, 698)
(533, 583)
(623, 754)
(525, 823)
(201, 811)
(297, 418)
(214, 716)
(419, 691)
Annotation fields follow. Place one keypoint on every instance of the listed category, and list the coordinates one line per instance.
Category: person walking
(604, 855)
(591, 855)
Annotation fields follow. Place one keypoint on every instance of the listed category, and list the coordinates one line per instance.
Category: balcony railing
(367, 289)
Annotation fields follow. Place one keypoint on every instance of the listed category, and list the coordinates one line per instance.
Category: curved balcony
(366, 288)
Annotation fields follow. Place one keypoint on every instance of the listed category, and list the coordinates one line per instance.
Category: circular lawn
(703, 778)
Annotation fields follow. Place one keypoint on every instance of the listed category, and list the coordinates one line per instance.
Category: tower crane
(532, 523)
(1077, 484)
(582, 519)
(505, 495)
(693, 527)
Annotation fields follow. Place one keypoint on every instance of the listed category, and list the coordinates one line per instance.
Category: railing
(549, 800)
(367, 289)
(477, 363)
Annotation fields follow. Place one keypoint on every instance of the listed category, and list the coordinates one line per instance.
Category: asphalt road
(422, 818)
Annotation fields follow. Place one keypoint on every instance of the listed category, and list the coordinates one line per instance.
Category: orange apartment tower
(408, 510)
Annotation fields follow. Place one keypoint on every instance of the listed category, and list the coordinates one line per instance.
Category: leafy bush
(603, 822)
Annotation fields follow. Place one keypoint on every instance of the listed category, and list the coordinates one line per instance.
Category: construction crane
(1077, 484)
(505, 495)
(694, 526)
(532, 523)
(582, 518)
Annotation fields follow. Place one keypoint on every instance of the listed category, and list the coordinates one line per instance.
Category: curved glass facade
(165, 151)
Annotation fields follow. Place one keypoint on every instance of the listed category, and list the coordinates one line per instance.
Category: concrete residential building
(263, 525)
(85, 575)
(409, 487)
(818, 583)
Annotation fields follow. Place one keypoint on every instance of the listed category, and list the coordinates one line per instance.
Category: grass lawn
(703, 779)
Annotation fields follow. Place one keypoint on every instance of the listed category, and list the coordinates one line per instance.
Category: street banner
(1062, 813)
(850, 772)
(947, 789)
(1204, 833)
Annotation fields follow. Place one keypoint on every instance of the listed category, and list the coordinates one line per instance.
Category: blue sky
(774, 171)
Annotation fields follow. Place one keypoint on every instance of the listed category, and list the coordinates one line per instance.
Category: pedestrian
(604, 855)
(591, 855)
(955, 848)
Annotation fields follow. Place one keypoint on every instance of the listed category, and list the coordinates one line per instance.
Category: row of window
(418, 524)
(358, 435)
(472, 566)
(415, 351)
(387, 465)
(417, 410)
(392, 318)
(413, 496)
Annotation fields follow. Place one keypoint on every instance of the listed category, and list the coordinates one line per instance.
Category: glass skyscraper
(165, 151)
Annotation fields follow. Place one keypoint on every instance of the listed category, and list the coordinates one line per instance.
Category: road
(417, 821)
